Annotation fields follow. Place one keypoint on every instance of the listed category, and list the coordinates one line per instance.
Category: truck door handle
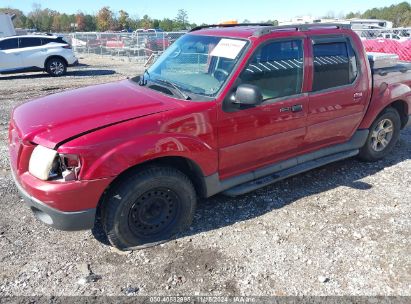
(297, 108)
(294, 108)
(358, 95)
(287, 109)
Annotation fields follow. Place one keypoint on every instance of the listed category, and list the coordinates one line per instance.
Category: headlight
(47, 164)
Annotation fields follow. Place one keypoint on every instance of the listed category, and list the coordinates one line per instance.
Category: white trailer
(6, 25)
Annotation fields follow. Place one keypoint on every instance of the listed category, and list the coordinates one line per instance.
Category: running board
(280, 175)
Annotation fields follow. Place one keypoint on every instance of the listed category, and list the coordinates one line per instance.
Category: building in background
(370, 24)
(355, 23)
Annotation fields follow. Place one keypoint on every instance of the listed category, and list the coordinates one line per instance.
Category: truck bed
(400, 72)
(401, 66)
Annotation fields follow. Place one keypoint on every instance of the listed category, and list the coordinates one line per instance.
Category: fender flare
(382, 98)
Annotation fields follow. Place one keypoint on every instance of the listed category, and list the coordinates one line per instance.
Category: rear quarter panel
(56, 49)
(395, 86)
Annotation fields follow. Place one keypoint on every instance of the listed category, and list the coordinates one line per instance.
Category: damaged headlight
(47, 164)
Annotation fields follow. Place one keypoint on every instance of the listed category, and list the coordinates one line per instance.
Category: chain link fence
(146, 46)
(139, 46)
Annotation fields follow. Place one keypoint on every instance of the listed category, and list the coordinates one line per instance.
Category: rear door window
(52, 40)
(29, 42)
(335, 65)
(9, 44)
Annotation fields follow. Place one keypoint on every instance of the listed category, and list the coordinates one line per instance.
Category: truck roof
(248, 30)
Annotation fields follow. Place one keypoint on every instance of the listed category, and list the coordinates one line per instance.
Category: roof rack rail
(306, 27)
(299, 27)
(267, 28)
(229, 25)
(42, 34)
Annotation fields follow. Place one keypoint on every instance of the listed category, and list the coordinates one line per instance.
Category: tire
(148, 208)
(384, 134)
(56, 67)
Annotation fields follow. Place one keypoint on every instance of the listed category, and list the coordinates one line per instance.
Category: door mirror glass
(248, 94)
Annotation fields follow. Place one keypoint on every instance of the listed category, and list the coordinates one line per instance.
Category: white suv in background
(36, 52)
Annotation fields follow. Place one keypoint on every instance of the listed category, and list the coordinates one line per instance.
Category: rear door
(339, 94)
(32, 53)
(251, 137)
(10, 58)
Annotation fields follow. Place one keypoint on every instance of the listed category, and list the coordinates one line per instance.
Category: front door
(253, 137)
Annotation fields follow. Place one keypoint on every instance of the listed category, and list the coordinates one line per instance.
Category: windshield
(198, 64)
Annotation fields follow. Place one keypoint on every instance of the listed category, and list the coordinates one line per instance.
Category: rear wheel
(56, 67)
(148, 208)
(384, 134)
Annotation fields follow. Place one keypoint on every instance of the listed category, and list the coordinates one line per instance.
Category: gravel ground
(344, 229)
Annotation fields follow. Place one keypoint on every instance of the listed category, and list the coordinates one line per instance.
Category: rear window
(335, 65)
(9, 44)
(29, 42)
(52, 40)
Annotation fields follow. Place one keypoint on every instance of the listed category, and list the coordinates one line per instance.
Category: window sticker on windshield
(228, 48)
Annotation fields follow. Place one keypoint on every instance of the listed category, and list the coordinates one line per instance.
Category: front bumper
(75, 63)
(68, 221)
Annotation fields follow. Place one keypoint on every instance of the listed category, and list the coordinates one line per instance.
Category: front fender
(121, 157)
(382, 98)
(187, 132)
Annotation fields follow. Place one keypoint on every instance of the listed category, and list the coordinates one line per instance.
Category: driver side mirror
(248, 94)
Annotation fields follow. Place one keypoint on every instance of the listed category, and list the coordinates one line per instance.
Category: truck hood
(51, 120)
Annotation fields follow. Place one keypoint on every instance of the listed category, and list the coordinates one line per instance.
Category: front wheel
(384, 134)
(148, 208)
(56, 67)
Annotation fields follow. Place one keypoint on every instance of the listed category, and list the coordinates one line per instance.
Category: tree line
(399, 15)
(46, 20)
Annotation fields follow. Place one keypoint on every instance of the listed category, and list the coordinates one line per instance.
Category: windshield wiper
(143, 80)
(176, 88)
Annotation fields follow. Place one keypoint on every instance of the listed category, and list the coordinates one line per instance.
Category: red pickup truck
(226, 109)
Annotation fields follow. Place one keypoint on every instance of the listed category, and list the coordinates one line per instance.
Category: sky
(208, 11)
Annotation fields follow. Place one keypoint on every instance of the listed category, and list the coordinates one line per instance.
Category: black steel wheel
(153, 212)
(148, 207)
